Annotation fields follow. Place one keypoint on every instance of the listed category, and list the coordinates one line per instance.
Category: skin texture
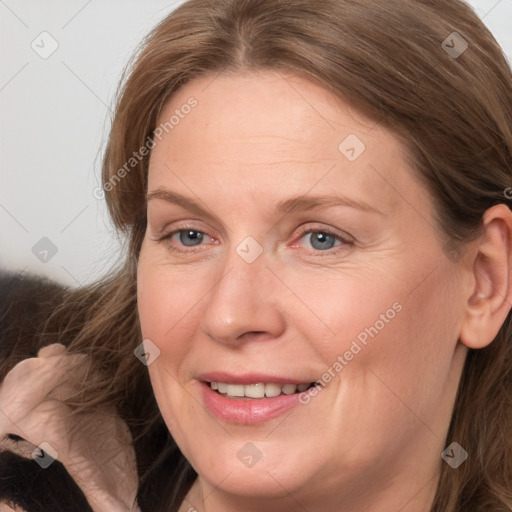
(372, 439)
(96, 448)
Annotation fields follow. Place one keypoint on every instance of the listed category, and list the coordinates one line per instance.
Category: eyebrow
(292, 205)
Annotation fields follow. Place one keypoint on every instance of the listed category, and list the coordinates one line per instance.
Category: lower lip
(249, 411)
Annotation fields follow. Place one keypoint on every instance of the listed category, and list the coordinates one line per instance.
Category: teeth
(235, 390)
(261, 390)
(255, 390)
(289, 389)
(272, 390)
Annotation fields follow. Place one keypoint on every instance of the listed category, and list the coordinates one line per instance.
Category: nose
(244, 304)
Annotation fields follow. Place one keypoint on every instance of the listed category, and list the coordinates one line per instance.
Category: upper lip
(249, 378)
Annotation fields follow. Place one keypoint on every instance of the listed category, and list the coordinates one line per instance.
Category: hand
(95, 446)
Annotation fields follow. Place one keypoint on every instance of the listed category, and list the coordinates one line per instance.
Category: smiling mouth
(260, 390)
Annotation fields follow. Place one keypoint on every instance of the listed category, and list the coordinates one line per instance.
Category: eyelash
(303, 231)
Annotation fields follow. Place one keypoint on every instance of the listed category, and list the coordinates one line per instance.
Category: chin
(252, 482)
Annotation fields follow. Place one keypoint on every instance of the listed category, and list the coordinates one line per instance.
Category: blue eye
(185, 240)
(316, 241)
(321, 240)
(190, 237)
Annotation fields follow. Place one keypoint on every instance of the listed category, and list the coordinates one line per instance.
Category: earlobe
(491, 297)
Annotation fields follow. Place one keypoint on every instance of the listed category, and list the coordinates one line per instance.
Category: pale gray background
(55, 117)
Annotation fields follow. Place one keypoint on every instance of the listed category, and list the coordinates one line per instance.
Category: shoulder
(26, 288)
(26, 301)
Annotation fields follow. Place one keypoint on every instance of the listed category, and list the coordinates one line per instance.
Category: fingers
(96, 447)
(46, 369)
(52, 350)
(100, 457)
(31, 381)
(48, 422)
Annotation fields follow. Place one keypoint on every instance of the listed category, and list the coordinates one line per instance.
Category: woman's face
(296, 246)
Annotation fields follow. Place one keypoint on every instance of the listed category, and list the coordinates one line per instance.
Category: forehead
(266, 129)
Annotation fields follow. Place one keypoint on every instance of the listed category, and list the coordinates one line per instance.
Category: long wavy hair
(395, 62)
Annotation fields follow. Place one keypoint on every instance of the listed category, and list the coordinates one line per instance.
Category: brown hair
(452, 112)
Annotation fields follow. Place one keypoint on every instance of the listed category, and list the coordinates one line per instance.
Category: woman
(316, 294)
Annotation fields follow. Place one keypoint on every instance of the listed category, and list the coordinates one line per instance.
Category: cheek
(411, 358)
(394, 334)
(154, 295)
(346, 314)
(167, 303)
(164, 313)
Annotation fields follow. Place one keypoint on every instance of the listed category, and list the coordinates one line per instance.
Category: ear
(490, 299)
